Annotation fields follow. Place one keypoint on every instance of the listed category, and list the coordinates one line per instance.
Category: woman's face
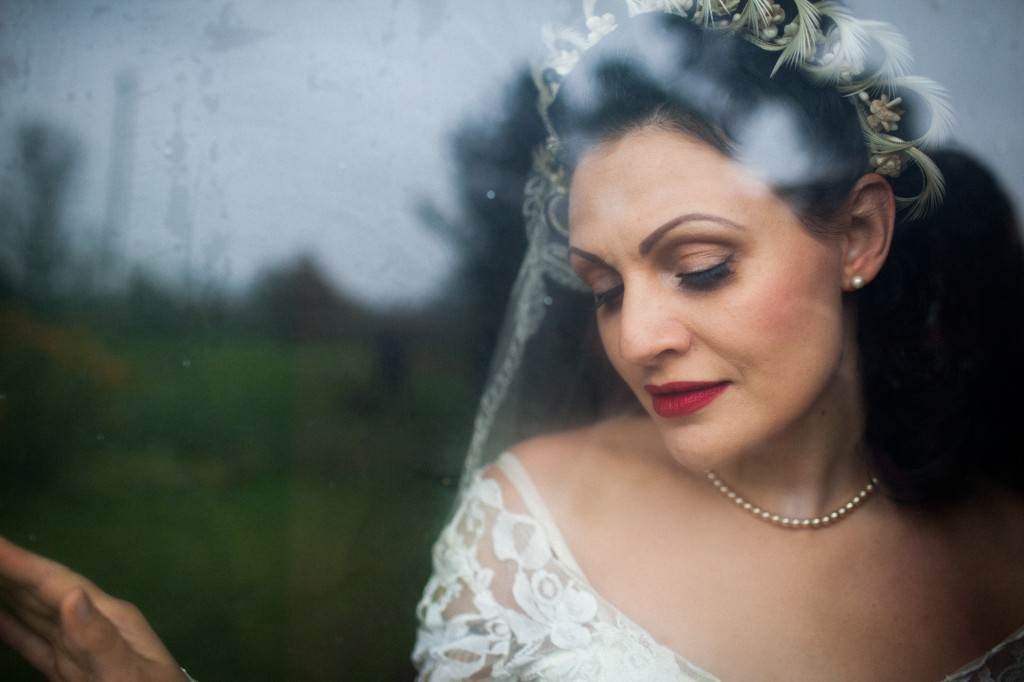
(719, 309)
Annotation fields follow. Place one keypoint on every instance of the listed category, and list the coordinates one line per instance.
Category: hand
(70, 630)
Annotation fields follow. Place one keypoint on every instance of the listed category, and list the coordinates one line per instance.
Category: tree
(34, 220)
(492, 162)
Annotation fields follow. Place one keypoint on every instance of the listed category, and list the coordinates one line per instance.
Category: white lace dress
(507, 601)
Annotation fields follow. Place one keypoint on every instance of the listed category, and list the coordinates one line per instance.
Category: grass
(269, 508)
(287, 578)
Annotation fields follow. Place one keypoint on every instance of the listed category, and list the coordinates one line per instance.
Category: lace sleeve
(463, 634)
(499, 605)
(502, 605)
(1004, 662)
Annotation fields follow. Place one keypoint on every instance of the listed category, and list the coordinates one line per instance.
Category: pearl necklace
(791, 522)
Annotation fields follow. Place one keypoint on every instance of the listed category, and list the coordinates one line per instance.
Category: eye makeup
(708, 278)
(608, 297)
(714, 265)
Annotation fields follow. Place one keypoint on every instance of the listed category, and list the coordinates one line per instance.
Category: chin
(699, 447)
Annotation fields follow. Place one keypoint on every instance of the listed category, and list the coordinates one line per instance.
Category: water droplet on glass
(491, 194)
(548, 300)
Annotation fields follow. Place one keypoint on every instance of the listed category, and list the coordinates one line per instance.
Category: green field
(269, 507)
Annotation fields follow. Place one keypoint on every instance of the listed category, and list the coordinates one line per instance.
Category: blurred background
(253, 260)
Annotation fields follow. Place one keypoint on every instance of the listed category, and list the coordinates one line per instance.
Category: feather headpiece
(866, 61)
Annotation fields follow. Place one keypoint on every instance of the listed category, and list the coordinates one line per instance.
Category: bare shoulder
(555, 453)
(553, 461)
(588, 461)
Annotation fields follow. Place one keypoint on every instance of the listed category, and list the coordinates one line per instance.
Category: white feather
(896, 58)
(848, 43)
(936, 98)
(708, 8)
(679, 7)
(801, 47)
(933, 188)
(756, 14)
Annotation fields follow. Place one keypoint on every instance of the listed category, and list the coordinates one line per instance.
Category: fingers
(33, 648)
(91, 640)
(48, 580)
(34, 586)
(84, 644)
(48, 658)
(96, 643)
(135, 629)
(44, 583)
(33, 590)
(69, 629)
(42, 623)
(20, 567)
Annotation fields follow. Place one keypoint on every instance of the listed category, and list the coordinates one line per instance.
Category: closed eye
(608, 297)
(700, 280)
(707, 279)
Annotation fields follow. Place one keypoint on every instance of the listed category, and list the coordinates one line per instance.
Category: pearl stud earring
(857, 282)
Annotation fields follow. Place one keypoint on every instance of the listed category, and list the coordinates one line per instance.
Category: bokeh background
(253, 260)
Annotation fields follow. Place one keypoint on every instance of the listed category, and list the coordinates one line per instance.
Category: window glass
(253, 262)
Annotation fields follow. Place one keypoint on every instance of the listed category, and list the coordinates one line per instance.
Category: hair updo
(660, 69)
(939, 329)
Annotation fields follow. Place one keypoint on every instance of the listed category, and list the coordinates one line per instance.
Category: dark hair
(715, 88)
(939, 329)
(941, 335)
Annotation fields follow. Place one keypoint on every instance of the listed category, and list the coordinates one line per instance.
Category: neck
(817, 463)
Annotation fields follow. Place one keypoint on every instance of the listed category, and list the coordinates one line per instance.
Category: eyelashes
(700, 280)
(707, 279)
(608, 296)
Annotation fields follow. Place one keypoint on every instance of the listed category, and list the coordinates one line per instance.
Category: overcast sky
(266, 128)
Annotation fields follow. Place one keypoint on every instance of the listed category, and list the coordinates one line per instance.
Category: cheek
(791, 318)
(607, 329)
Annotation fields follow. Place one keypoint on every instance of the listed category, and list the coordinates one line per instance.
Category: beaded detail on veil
(507, 601)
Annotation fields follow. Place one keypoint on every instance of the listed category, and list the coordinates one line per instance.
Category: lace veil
(539, 335)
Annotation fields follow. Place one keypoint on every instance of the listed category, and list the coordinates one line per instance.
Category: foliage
(55, 388)
(262, 474)
(492, 161)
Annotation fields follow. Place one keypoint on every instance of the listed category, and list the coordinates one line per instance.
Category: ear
(871, 211)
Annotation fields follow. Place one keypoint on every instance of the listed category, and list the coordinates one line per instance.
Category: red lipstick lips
(680, 398)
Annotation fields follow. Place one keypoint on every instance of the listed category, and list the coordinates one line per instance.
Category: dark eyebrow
(650, 240)
(586, 255)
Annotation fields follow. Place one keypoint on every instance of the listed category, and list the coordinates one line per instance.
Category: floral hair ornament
(824, 40)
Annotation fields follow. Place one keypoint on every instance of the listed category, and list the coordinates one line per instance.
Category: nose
(651, 327)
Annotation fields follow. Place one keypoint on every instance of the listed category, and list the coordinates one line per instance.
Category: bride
(787, 453)
(795, 491)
